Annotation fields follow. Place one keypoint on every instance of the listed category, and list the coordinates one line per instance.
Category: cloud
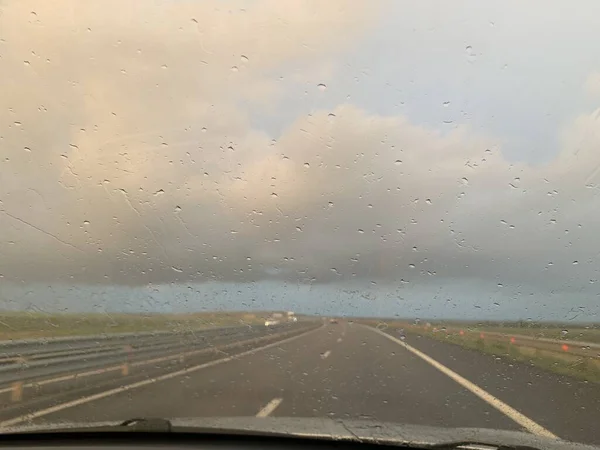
(592, 84)
(132, 157)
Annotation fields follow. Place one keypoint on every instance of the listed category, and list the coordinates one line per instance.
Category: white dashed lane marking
(269, 407)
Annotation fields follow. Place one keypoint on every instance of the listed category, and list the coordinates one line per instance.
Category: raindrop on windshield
(471, 56)
(321, 87)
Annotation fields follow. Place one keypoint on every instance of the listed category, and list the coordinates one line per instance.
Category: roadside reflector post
(512, 340)
(125, 369)
(16, 393)
(565, 347)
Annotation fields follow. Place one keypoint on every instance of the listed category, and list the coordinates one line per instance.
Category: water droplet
(307, 165)
(412, 266)
(471, 56)
(428, 201)
(321, 87)
(203, 129)
(26, 63)
(27, 149)
(244, 58)
(575, 263)
(298, 229)
(369, 205)
(17, 124)
(86, 222)
(398, 162)
(464, 180)
(500, 285)
(234, 68)
(177, 208)
(176, 269)
(446, 104)
(273, 194)
(360, 230)
(159, 192)
(330, 204)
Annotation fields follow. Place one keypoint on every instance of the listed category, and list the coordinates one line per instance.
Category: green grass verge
(571, 333)
(26, 325)
(583, 368)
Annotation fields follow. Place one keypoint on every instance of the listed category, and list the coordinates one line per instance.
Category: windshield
(370, 210)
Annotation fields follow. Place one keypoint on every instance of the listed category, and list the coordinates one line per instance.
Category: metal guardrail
(36, 360)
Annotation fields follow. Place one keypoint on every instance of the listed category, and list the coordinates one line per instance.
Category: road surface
(340, 370)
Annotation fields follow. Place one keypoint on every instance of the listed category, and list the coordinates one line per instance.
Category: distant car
(333, 321)
(271, 322)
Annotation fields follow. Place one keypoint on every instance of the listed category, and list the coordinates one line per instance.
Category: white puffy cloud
(592, 84)
(132, 155)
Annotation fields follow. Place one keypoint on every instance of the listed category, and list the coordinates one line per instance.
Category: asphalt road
(346, 371)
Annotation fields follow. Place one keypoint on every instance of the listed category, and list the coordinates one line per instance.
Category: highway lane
(342, 371)
(72, 382)
(567, 406)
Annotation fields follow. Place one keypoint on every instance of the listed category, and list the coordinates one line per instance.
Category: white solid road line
(326, 354)
(269, 407)
(128, 387)
(507, 410)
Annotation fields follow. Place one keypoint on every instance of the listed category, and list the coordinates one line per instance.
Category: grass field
(567, 333)
(575, 365)
(30, 325)
(581, 362)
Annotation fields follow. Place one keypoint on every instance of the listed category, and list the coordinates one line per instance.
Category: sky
(423, 159)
